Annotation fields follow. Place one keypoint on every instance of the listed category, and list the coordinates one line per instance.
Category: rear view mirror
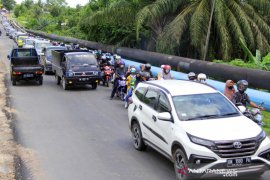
(242, 109)
(165, 116)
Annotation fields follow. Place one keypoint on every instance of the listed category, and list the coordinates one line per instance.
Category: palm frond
(198, 27)
(241, 17)
(173, 32)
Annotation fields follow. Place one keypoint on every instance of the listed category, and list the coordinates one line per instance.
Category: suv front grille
(226, 149)
(89, 73)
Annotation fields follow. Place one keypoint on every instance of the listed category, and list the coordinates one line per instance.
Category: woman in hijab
(229, 89)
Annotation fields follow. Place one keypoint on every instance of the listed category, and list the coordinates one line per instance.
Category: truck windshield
(203, 106)
(81, 60)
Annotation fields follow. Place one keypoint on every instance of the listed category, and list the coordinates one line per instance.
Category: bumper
(82, 80)
(204, 163)
(27, 77)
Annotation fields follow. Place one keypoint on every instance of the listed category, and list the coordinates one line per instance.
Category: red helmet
(166, 69)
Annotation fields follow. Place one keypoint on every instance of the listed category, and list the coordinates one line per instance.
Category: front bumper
(82, 80)
(210, 165)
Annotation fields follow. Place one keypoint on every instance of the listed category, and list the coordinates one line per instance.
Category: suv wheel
(137, 137)
(14, 82)
(94, 85)
(58, 80)
(180, 164)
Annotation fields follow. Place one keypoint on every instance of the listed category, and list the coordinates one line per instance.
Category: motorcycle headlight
(200, 141)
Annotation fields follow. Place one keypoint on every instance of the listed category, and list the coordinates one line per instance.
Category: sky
(71, 3)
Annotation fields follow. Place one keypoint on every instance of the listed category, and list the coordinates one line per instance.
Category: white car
(198, 129)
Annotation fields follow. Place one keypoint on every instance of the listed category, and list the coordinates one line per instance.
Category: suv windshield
(203, 106)
(81, 60)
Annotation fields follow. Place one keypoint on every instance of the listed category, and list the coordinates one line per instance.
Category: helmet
(147, 66)
(132, 70)
(122, 64)
(167, 69)
(242, 86)
(145, 76)
(118, 57)
(103, 57)
(202, 78)
(191, 76)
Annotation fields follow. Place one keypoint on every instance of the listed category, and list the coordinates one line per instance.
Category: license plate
(238, 162)
(28, 75)
(83, 79)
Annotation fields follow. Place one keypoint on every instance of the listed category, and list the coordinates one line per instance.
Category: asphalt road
(80, 134)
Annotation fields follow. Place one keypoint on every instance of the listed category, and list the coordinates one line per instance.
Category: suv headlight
(261, 137)
(204, 142)
(95, 73)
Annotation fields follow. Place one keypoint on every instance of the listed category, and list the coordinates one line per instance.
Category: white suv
(198, 129)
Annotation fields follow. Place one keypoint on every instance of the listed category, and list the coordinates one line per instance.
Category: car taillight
(39, 72)
(16, 73)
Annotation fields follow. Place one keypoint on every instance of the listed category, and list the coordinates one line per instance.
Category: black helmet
(147, 66)
(242, 86)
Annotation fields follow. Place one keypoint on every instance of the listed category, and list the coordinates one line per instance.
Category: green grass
(266, 120)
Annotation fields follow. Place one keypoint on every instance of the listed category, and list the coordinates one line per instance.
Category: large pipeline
(257, 78)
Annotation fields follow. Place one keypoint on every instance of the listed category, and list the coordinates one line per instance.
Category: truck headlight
(200, 141)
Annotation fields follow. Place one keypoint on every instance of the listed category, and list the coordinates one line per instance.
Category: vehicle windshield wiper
(204, 117)
(230, 114)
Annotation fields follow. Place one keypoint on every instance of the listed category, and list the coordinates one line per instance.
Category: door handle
(140, 107)
(154, 118)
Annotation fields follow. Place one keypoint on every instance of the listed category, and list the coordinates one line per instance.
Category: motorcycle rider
(130, 85)
(229, 89)
(120, 71)
(165, 73)
(147, 68)
(192, 76)
(241, 97)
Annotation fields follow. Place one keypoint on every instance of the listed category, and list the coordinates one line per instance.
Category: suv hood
(231, 128)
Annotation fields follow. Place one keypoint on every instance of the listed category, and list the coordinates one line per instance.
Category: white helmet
(202, 78)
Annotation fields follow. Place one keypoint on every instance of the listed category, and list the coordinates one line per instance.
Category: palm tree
(184, 24)
(120, 13)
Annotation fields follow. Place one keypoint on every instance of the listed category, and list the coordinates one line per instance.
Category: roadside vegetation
(237, 32)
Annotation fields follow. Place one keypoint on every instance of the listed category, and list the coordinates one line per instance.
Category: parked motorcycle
(254, 113)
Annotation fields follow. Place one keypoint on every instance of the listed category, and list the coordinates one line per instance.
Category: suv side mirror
(165, 116)
(8, 56)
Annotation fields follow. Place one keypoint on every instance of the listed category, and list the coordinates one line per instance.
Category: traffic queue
(73, 65)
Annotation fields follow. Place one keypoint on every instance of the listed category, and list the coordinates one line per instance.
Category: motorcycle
(106, 75)
(121, 88)
(254, 113)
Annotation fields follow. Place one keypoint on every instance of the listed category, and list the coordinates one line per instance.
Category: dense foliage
(178, 27)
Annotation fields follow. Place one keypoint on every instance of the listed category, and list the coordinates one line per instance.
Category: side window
(150, 98)
(163, 104)
(140, 93)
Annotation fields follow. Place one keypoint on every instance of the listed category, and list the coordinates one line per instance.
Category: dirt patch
(7, 145)
(14, 159)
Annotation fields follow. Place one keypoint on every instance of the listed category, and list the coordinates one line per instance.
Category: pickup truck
(25, 65)
(75, 67)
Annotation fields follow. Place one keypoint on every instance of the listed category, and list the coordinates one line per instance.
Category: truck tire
(58, 80)
(14, 82)
(64, 84)
(94, 86)
(40, 82)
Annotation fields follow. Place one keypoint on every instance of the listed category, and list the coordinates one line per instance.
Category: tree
(8, 4)
(186, 21)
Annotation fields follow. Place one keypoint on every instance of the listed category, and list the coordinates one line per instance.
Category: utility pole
(209, 31)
